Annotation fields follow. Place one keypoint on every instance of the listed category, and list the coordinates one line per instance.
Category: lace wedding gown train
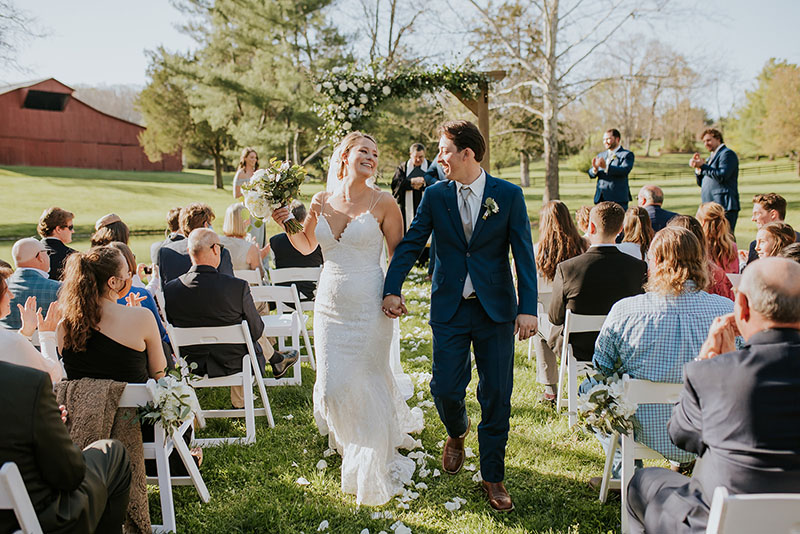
(357, 402)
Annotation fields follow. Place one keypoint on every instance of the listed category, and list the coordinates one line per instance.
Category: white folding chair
(300, 274)
(159, 450)
(776, 513)
(158, 295)
(14, 496)
(545, 295)
(285, 323)
(573, 324)
(254, 277)
(234, 334)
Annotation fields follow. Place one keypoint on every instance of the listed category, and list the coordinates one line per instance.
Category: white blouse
(14, 348)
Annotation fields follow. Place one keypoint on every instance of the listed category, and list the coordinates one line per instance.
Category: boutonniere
(491, 208)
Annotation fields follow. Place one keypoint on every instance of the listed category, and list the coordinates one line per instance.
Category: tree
(387, 30)
(172, 122)
(16, 27)
(571, 33)
(780, 127)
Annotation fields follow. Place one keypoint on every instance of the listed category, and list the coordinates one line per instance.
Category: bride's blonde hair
(344, 146)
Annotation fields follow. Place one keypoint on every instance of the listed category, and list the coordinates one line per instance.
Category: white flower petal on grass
(421, 486)
(288, 417)
(469, 467)
(420, 395)
(323, 526)
(322, 465)
(388, 515)
(468, 452)
(477, 477)
(459, 500)
(376, 515)
(451, 506)
(328, 452)
(436, 472)
(294, 464)
(402, 529)
(402, 506)
(302, 481)
(365, 531)
(440, 444)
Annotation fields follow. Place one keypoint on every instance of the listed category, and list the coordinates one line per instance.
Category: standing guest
(287, 256)
(767, 208)
(173, 258)
(173, 233)
(98, 338)
(582, 219)
(637, 233)
(245, 254)
(611, 168)
(652, 336)
(651, 197)
(721, 246)
(56, 228)
(14, 348)
(71, 491)
(718, 176)
(31, 279)
(409, 183)
(559, 240)
(248, 165)
(110, 228)
(772, 238)
(718, 284)
(737, 410)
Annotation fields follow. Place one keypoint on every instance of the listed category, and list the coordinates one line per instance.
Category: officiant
(408, 183)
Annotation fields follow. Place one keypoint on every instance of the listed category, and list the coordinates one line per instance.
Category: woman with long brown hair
(718, 284)
(637, 230)
(721, 246)
(248, 164)
(773, 237)
(97, 337)
(559, 239)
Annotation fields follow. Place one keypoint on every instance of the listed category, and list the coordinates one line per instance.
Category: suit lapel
(490, 183)
(451, 203)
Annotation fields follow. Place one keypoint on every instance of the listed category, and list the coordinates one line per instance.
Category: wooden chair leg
(608, 467)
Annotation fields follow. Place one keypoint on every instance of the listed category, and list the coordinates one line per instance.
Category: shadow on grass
(185, 177)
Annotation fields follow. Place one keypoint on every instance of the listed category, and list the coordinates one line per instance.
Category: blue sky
(104, 41)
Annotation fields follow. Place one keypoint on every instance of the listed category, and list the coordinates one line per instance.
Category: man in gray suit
(738, 409)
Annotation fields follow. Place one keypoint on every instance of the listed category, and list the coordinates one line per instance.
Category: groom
(476, 218)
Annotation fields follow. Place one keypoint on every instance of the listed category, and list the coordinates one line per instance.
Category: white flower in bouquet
(257, 205)
(342, 87)
(387, 90)
(367, 86)
(363, 98)
(174, 402)
(327, 85)
(352, 86)
(604, 407)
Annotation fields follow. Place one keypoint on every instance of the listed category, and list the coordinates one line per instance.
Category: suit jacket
(659, 217)
(401, 184)
(287, 256)
(590, 284)
(719, 179)
(34, 438)
(746, 427)
(174, 260)
(155, 247)
(207, 297)
(58, 255)
(612, 183)
(26, 283)
(485, 257)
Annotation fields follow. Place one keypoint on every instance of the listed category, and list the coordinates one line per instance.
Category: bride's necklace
(348, 198)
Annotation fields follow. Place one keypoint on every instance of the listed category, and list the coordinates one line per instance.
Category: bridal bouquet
(273, 188)
(174, 402)
(604, 409)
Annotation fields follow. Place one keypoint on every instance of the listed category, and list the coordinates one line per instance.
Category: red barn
(42, 124)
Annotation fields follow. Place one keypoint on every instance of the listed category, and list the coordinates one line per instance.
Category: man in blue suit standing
(476, 218)
(718, 176)
(611, 168)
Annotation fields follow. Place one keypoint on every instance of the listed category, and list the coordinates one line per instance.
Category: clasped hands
(696, 161)
(598, 163)
(721, 337)
(417, 183)
(394, 306)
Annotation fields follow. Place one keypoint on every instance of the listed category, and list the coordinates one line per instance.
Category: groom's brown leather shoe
(499, 499)
(453, 454)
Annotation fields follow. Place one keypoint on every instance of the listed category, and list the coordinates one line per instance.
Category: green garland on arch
(348, 99)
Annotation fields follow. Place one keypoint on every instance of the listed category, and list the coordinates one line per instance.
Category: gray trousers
(546, 361)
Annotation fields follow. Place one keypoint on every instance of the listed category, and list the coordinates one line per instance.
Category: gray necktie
(466, 212)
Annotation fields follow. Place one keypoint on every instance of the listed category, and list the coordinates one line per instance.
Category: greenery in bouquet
(272, 188)
(174, 400)
(604, 408)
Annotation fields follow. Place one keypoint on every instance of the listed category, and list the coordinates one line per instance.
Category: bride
(357, 402)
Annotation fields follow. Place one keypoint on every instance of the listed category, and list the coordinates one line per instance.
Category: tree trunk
(296, 147)
(550, 106)
(218, 171)
(524, 169)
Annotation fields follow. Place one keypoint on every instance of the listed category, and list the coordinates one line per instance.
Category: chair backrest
(251, 276)
(282, 296)
(647, 392)
(576, 322)
(14, 496)
(776, 513)
(210, 335)
(294, 274)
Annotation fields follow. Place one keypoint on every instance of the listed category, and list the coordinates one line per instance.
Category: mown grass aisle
(254, 488)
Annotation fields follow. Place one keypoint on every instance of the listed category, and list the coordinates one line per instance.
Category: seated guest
(582, 219)
(245, 254)
(592, 282)
(56, 228)
(31, 279)
(98, 338)
(71, 491)
(109, 228)
(791, 251)
(173, 232)
(206, 297)
(559, 240)
(772, 238)
(651, 336)
(173, 258)
(651, 197)
(737, 410)
(718, 283)
(637, 233)
(14, 348)
(719, 237)
(767, 208)
(287, 256)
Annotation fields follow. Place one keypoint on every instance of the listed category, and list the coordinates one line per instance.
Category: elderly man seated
(651, 336)
(31, 279)
(738, 409)
(206, 297)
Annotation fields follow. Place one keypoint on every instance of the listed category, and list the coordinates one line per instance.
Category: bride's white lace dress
(357, 402)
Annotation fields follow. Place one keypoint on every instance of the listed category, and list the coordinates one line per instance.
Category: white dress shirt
(14, 348)
(475, 200)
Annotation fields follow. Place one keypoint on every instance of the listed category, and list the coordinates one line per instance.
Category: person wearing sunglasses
(30, 281)
(56, 228)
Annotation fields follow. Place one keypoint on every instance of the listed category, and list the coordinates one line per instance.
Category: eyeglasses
(220, 245)
(71, 227)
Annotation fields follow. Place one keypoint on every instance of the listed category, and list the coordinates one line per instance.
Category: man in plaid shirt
(651, 336)
(31, 279)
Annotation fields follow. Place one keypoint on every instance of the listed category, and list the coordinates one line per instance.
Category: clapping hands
(49, 323)
(133, 300)
(394, 306)
(721, 337)
(27, 315)
(696, 161)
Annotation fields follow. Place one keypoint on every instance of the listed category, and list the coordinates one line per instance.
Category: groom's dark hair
(464, 134)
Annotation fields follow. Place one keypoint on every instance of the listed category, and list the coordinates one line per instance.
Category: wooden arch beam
(479, 106)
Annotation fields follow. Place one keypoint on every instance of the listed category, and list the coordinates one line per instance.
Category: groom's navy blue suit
(487, 321)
